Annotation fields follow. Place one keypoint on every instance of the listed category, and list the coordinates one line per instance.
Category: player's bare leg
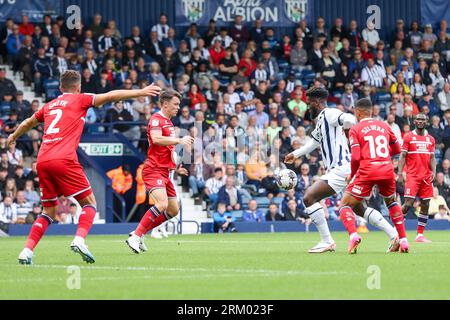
(317, 192)
(88, 211)
(376, 219)
(422, 221)
(155, 216)
(37, 231)
(348, 218)
(396, 214)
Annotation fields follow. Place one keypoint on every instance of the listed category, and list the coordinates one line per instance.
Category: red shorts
(362, 189)
(418, 187)
(62, 178)
(158, 178)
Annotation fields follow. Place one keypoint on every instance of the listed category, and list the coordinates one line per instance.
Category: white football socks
(315, 212)
(375, 218)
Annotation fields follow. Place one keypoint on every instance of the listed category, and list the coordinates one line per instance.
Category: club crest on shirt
(155, 123)
(159, 181)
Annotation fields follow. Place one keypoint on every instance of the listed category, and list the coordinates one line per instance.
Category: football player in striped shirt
(330, 136)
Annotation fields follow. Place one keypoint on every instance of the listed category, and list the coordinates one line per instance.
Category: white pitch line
(203, 270)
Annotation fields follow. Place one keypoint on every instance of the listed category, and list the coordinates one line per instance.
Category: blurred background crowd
(243, 89)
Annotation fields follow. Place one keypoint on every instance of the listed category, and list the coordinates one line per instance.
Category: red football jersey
(160, 156)
(419, 149)
(374, 140)
(63, 120)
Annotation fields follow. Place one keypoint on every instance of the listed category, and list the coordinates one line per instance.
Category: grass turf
(228, 266)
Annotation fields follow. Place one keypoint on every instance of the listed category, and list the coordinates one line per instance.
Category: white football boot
(322, 247)
(142, 245)
(26, 256)
(134, 242)
(78, 246)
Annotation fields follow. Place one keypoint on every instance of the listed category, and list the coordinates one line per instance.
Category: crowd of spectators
(243, 89)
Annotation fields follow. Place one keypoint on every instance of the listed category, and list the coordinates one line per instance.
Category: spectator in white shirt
(444, 97)
(213, 185)
(8, 211)
(15, 156)
(370, 34)
(23, 206)
(373, 75)
(162, 29)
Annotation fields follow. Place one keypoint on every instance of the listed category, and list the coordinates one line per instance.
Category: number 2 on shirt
(51, 128)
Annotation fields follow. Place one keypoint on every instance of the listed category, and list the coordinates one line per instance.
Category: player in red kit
(58, 168)
(372, 144)
(158, 168)
(418, 155)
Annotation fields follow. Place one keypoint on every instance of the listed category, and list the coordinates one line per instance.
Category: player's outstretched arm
(160, 140)
(310, 146)
(23, 128)
(118, 95)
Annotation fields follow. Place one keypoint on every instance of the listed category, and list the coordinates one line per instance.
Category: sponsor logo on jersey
(357, 189)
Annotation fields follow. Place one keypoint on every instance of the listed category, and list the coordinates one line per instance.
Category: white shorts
(336, 178)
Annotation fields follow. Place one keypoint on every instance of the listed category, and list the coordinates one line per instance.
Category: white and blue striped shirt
(329, 133)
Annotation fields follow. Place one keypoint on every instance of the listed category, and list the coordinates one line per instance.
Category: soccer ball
(286, 179)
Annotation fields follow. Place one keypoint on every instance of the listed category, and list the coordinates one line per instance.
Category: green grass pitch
(229, 266)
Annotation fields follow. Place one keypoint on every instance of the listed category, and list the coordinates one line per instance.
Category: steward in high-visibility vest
(122, 179)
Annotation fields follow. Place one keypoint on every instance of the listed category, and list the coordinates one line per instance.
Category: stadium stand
(243, 98)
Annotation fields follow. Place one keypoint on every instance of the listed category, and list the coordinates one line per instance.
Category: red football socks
(421, 223)
(86, 220)
(152, 218)
(348, 219)
(37, 231)
(396, 214)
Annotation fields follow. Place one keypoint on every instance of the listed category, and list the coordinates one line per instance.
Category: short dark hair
(317, 92)
(70, 79)
(217, 170)
(364, 104)
(168, 94)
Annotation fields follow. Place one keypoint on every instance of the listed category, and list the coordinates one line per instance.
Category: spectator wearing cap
(428, 34)
(408, 73)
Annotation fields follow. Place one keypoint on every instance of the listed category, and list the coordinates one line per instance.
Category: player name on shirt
(372, 127)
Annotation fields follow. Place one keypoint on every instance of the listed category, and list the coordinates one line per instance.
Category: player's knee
(162, 205)
(172, 211)
(308, 199)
